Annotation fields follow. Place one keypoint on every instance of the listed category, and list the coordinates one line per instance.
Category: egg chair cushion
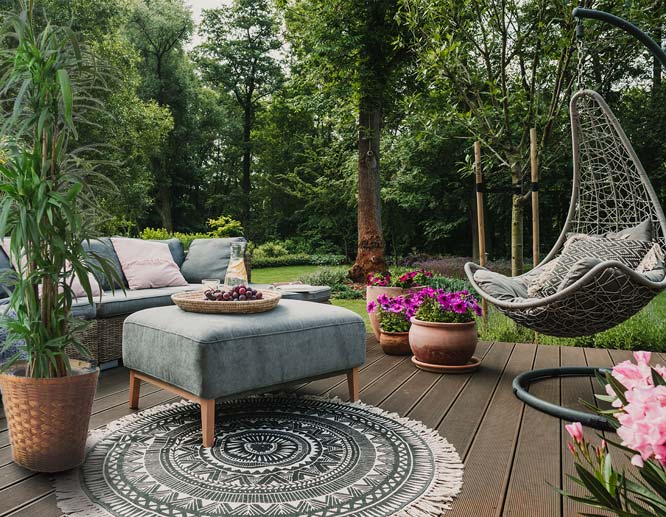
(626, 251)
(500, 286)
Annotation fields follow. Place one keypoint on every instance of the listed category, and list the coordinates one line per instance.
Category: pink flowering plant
(407, 280)
(637, 394)
(438, 305)
(394, 313)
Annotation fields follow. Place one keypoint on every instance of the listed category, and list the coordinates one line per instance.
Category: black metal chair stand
(521, 384)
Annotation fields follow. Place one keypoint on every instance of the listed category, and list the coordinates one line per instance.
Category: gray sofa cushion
(217, 355)
(500, 286)
(120, 304)
(6, 271)
(84, 310)
(176, 249)
(104, 248)
(208, 258)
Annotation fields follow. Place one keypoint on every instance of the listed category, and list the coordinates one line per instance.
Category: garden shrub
(454, 267)
(223, 226)
(161, 234)
(329, 276)
(270, 249)
(297, 259)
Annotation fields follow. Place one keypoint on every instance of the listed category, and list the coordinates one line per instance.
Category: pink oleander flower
(643, 422)
(633, 376)
(643, 418)
(576, 431)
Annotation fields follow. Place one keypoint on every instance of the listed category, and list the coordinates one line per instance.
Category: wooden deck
(511, 452)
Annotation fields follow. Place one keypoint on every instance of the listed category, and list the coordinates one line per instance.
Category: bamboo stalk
(481, 220)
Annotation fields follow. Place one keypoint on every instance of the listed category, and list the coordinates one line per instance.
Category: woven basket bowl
(48, 418)
(194, 301)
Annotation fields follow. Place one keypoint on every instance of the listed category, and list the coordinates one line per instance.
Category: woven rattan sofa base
(103, 339)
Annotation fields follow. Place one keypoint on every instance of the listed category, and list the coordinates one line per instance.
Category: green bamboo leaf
(66, 92)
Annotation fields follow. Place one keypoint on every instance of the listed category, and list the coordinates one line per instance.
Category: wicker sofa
(103, 336)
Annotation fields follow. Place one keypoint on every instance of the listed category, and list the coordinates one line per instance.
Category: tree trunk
(370, 252)
(164, 207)
(246, 183)
(656, 64)
(516, 223)
(475, 228)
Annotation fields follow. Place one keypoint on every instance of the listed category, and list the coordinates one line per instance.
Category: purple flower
(372, 306)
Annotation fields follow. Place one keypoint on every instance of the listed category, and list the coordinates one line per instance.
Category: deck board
(511, 451)
(489, 458)
(539, 437)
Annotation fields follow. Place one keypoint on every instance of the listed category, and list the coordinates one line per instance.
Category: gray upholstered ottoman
(206, 356)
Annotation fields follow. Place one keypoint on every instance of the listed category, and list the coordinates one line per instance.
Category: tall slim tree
(239, 55)
(347, 50)
(160, 29)
(504, 66)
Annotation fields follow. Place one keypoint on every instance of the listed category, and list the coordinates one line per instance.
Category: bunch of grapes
(240, 293)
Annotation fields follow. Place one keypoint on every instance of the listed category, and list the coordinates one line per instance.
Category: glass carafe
(236, 272)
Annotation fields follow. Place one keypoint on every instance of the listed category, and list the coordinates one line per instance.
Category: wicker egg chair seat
(611, 192)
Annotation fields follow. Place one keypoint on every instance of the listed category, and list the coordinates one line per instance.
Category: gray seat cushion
(316, 293)
(500, 286)
(120, 304)
(217, 355)
(208, 258)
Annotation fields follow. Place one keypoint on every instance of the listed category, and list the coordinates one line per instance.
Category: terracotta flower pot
(48, 418)
(450, 344)
(395, 343)
(372, 292)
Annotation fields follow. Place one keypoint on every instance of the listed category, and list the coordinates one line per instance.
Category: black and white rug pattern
(274, 455)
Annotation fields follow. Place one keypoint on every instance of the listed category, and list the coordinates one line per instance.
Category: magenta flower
(372, 306)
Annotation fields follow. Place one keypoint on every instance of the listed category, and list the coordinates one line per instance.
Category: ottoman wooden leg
(208, 422)
(352, 383)
(134, 390)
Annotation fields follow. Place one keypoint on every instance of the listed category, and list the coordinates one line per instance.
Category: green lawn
(270, 275)
(358, 306)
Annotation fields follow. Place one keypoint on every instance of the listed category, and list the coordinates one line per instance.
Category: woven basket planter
(48, 418)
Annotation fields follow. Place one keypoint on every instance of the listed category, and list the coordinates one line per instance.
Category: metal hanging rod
(628, 27)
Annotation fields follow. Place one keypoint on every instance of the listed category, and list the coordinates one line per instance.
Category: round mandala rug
(276, 455)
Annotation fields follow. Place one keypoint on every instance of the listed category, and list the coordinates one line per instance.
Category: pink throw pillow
(147, 264)
(79, 292)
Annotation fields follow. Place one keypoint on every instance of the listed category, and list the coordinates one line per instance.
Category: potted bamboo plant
(443, 334)
(45, 213)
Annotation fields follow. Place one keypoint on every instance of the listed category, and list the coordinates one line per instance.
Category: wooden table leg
(134, 390)
(208, 422)
(352, 383)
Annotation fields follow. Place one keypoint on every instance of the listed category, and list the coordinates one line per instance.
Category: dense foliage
(259, 118)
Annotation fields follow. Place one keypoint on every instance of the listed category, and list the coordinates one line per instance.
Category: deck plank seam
(487, 406)
(514, 447)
